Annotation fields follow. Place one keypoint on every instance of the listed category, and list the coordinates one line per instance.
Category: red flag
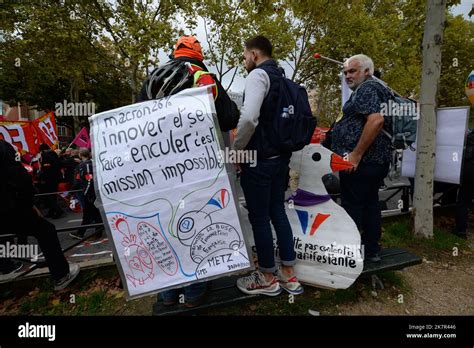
(82, 139)
(46, 129)
(21, 134)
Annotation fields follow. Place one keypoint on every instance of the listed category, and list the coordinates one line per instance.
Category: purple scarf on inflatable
(305, 198)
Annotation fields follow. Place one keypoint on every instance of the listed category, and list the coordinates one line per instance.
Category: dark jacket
(83, 179)
(68, 164)
(263, 139)
(16, 188)
(50, 171)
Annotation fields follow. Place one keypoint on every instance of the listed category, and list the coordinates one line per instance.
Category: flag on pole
(45, 127)
(82, 139)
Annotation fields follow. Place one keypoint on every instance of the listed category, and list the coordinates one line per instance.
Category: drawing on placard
(165, 193)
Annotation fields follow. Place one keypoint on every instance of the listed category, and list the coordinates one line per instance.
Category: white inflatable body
(326, 239)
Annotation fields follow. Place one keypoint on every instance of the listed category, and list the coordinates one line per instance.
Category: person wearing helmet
(186, 70)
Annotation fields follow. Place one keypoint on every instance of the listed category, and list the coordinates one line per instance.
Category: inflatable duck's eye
(316, 156)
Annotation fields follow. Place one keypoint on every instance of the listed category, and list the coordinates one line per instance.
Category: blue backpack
(294, 124)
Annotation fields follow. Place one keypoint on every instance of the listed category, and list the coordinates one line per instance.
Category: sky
(239, 82)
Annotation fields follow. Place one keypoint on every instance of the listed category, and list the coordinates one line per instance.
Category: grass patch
(395, 279)
(94, 292)
(96, 302)
(399, 233)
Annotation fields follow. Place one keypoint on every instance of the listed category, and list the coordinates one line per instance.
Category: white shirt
(257, 86)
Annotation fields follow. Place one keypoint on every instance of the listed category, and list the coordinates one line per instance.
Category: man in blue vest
(264, 184)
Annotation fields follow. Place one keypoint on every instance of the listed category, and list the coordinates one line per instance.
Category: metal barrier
(42, 263)
(39, 264)
(55, 193)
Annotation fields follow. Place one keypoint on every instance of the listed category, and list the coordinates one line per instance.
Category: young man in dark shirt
(265, 183)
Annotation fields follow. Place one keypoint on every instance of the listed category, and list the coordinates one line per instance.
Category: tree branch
(109, 28)
(232, 81)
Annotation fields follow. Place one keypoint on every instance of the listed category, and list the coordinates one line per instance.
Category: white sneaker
(290, 284)
(74, 269)
(255, 284)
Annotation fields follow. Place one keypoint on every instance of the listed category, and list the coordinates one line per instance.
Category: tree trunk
(426, 144)
(74, 98)
(133, 83)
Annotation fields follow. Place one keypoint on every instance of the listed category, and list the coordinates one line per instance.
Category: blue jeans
(264, 189)
(191, 292)
(360, 198)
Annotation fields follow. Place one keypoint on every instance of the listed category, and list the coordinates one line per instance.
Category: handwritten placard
(164, 190)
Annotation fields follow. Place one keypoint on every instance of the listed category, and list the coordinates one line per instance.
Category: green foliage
(101, 50)
(228, 24)
(457, 50)
(44, 56)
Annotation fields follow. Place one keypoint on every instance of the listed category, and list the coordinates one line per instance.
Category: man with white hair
(357, 135)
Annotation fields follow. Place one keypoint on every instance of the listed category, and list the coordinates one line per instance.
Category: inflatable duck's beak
(338, 163)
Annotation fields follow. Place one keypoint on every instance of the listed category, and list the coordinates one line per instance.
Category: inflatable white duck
(326, 239)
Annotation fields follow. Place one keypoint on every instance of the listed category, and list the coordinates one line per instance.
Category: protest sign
(451, 128)
(165, 194)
